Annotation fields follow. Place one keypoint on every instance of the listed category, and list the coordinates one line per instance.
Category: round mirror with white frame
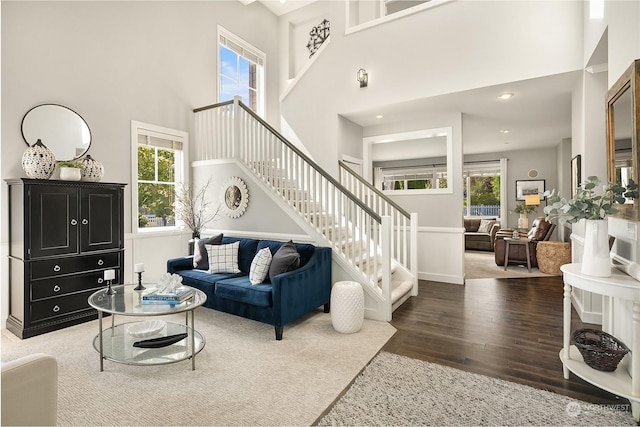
(59, 128)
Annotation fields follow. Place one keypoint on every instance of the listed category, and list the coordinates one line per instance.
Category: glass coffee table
(136, 343)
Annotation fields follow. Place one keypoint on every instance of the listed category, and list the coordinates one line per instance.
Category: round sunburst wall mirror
(235, 197)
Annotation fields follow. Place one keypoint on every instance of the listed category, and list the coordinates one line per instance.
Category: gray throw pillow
(285, 259)
(200, 256)
(485, 225)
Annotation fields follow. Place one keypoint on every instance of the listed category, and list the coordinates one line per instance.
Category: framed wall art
(529, 186)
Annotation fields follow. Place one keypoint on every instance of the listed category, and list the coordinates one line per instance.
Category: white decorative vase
(93, 169)
(347, 307)
(595, 254)
(38, 162)
(523, 221)
(70, 174)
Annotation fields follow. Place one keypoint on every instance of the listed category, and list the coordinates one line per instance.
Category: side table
(551, 255)
(521, 241)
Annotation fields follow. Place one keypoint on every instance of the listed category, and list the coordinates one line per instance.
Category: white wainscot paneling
(152, 249)
(441, 254)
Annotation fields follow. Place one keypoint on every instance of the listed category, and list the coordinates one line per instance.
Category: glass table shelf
(117, 345)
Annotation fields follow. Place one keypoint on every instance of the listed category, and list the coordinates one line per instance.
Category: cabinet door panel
(100, 217)
(53, 221)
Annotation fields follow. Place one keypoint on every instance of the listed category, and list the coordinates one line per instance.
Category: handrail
(212, 106)
(317, 167)
(375, 190)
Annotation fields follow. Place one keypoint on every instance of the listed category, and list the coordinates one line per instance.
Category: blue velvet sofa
(289, 296)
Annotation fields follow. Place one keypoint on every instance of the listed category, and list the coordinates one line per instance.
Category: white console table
(619, 285)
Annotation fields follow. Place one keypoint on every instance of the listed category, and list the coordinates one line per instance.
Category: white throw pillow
(485, 225)
(223, 258)
(260, 266)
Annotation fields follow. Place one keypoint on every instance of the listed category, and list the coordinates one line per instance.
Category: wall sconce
(362, 77)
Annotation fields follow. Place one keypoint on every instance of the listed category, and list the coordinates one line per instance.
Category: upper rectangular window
(158, 168)
(241, 71)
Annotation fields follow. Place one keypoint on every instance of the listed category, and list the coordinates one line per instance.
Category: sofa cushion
(223, 258)
(540, 230)
(471, 224)
(285, 259)
(485, 225)
(240, 289)
(246, 251)
(200, 255)
(202, 280)
(260, 266)
(306, 250)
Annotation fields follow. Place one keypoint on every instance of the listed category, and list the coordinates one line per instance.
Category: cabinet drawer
(54, 307)
(79, 264)
(55, 286)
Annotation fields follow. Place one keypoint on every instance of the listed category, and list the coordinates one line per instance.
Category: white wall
(114, 62)
(454, 47)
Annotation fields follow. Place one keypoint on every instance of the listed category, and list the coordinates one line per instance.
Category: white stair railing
(351, 227)
(404, 225)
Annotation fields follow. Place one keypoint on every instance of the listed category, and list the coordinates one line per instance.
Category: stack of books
(154, 296)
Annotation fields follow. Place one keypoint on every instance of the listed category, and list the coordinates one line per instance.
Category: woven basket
(599, 350)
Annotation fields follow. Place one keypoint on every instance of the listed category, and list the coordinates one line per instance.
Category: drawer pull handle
(56, 308)
(100, 262)
(85, 221)
(100, 280)
(74, 222)
(56, 268)
(56, 288)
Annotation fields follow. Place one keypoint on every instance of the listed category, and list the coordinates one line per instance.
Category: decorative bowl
(146, 328)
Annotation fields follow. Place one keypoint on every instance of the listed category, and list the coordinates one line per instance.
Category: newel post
(414, 252)
(385, 243)
(235, 148)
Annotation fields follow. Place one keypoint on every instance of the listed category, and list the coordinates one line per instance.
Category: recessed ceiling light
(506, 95)
(379, 116)
(504, 131)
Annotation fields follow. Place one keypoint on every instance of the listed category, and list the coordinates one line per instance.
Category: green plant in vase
(70, 170)
(593, 202)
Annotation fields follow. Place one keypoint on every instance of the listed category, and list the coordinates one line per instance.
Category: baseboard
(586, 316)
(444, 278)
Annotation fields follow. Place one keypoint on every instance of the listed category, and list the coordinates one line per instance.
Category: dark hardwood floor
(503, 328)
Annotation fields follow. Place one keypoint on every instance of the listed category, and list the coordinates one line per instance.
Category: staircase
(373, 240)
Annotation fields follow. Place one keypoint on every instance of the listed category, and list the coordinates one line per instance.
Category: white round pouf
(347, 307)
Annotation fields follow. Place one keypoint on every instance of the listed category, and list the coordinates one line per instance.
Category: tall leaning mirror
(623, 123)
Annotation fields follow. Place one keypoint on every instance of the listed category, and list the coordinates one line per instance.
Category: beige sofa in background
(30, 391)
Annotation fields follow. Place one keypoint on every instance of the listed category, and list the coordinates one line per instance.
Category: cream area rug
(243, 375)
(482, 265)
(395, 390)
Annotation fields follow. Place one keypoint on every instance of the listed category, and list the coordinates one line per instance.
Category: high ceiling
(280, 7)
(538, 115)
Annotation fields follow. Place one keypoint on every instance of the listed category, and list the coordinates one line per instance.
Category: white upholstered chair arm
(30, 391)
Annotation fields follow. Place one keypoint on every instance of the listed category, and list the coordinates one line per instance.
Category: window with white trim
(482, 190)
(414, 178)
(157, 167)
(240, 71)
